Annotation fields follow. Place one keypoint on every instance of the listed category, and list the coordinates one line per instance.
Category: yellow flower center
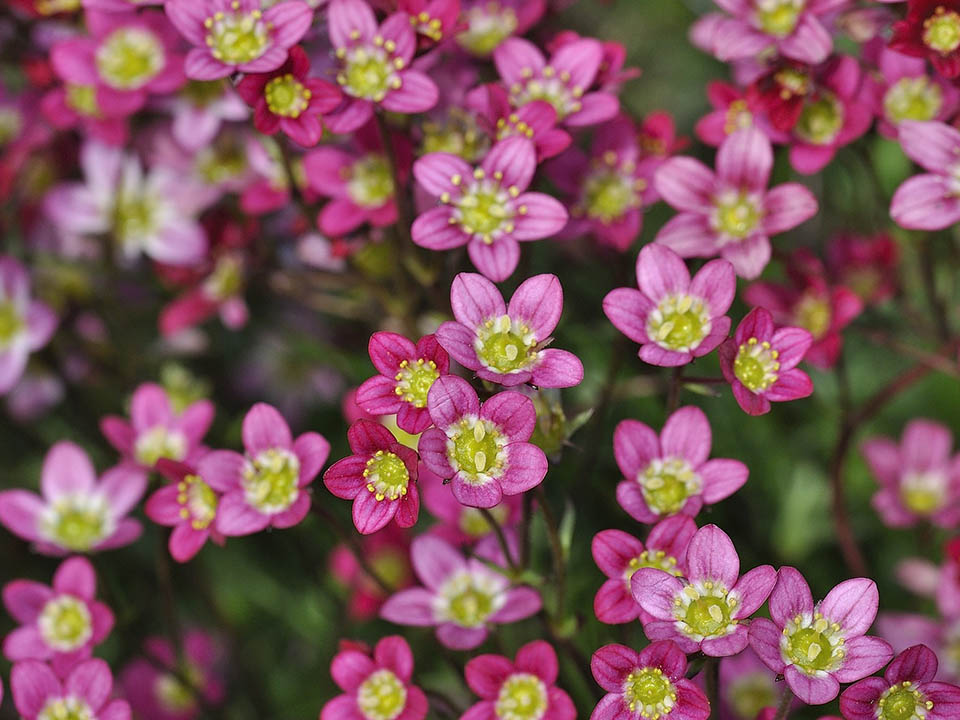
(414, 381)
(386, 476)
(82, 99)
(941, 31)
(65, 623)
(813, 313)
(488, 25)
(370, 184)
(77, 522)
(270, 480)
(382, 696)
(923, 492)
(756, 365)
(736, 215)
(11, 323)
(779, 17)
(651, 559)
(821, 120)
(160, 442)
(368, 71)
(667, 484)
(609, 194)
(130, 58)
(236, 37)
(813, 644)
(704, 610)
(648, 692)
(198, 502)
(287, 96)
(505, 345)
(66, 708)
(522, 697)
(679, 323)
(903, 702)
(913, 98)
(475, 449)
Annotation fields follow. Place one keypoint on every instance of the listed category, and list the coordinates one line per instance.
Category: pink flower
(619, 555)
(387, 552)
(38, 694)
(407, 373)
(488, 23)
(461, 525)
(919, 479)
(238, 35)
(670, 474)
(792, 28)
(150, 213)
(525, 687)
(486, 208)
(733, 109)
(747, 687)
(865, 264)
(817, 647)
(504, 344)
(360, 184)
(608, 189)
(188, 504)
(907, 683)
(26, 325)
(61, 624)
(200, 109)
(462, 597)
(77, 512)
(287, 99)
(380, 477)
(760, 362)
(730, 213)
(484, 449)
(434, 20)
(154, 684)
(705, 610)
(155, 431)
(564, 80)
(219, 293)
(811, 303)
(128, 58)
(374, 65)
(675, 319)
(648, 684)
(376, 687)
(536, 120)
(266, 487)
(929, 201)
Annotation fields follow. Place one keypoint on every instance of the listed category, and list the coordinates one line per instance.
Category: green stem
(711, 674)
(556, 549)
(501, 538)
(783, 709)
(673, 392)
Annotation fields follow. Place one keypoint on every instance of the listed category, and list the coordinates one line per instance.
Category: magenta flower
(648, 684)
(747, 687)
(39, 695)
(380, 477)
(188, 504)
(128, 58)
(929, 201)
(671, 474)
(733, 109)
(536, 120)
(287, 99)
(675, 319)
(524, 688)
(483, 449)
(730, 213)
(705, 610)
(407, 372)
(904, 90)
(817, 647)
(504, 344)
(219, 293)
(155, 431)
(374, 65)
(792, 28)
(760, 362)
(461, 525)
(388, 552)
(77, 512)
(486, 208)
(906, 688)
(154, 684)
(488, 24)
(619, 555)
(919, 479)
(59, 624)
(238, 35)
(266, 487)
(462, 597)
(26, 325)
(564, 80)
(376, 687)
(433, 20)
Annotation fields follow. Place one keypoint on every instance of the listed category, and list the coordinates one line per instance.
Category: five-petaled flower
(188, 504)
(26, 325)
(39, 694)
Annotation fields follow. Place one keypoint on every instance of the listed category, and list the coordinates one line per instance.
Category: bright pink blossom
(733, 109)
(26, 325)
(929, 201)
(434, 20)
(188, 504)
(380, 477)
(867, 264)
(250, 36)
(619, 555)
(59, 624)
(407, 373)
(155, 431)
(536, 120)
(374, 65)
(484, 449)
(760, 362)
(646, 684)
(487, 208)
(730, 213)
(267, 486)
(38, 694)
(705, 610)
(376, 686)
(928, 31)
(525, 687)
(505, 343)
(747, 687)
(817, 647)
(459, 524)
(565, 80)
(488, 23)
(76, 512)
(907, 682)
(675, 319)
(461, 597)
(218, 292)
(288, 99)
(919, 479)
(671, 474)
(387, 552)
